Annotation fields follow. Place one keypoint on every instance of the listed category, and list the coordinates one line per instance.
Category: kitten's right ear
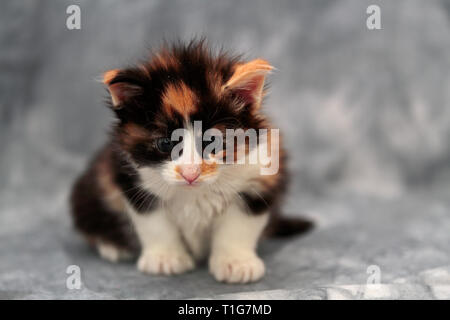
(120, 91)
(247, 81)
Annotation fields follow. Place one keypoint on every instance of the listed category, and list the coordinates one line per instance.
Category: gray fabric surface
(365, 115)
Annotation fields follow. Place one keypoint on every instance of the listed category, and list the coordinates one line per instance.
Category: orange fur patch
(109, 75)
(178, 170)
(208, 168)
(179, 98)
(249, 70)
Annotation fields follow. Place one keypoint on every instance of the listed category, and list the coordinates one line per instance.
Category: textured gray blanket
(365, 115)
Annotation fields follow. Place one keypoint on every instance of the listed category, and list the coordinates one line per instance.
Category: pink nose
(190, 172)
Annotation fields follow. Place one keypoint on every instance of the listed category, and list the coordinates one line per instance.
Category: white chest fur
(194, 214)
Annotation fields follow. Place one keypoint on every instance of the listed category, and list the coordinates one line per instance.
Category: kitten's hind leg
(106, 227)
(113, 253)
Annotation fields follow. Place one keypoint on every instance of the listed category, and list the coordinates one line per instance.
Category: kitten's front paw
(165, 261)
(242, 267)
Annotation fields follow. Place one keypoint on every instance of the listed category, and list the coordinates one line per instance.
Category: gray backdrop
(366, 117)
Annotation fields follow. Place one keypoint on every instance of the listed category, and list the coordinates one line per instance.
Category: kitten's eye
(165, 145)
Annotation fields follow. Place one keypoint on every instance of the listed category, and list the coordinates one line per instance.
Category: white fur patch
(236, 267)
(161, 260)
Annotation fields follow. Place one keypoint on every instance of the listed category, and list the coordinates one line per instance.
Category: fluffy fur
(134, 198)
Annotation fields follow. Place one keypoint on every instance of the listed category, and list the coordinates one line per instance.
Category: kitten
(137, 197)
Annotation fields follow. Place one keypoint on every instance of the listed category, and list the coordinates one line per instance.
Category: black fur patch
(95, 219)
(257, 204)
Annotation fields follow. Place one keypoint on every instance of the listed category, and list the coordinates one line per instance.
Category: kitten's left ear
(247, 81)
(120, 91)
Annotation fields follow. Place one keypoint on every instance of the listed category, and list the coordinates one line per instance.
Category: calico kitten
(135, 197)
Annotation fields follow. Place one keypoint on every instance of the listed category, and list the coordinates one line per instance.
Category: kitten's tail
(280, 226)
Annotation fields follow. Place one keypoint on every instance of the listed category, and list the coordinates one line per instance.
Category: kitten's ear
(119, 91)
(247, 81)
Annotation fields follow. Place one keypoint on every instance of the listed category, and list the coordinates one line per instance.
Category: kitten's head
(179, 88)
